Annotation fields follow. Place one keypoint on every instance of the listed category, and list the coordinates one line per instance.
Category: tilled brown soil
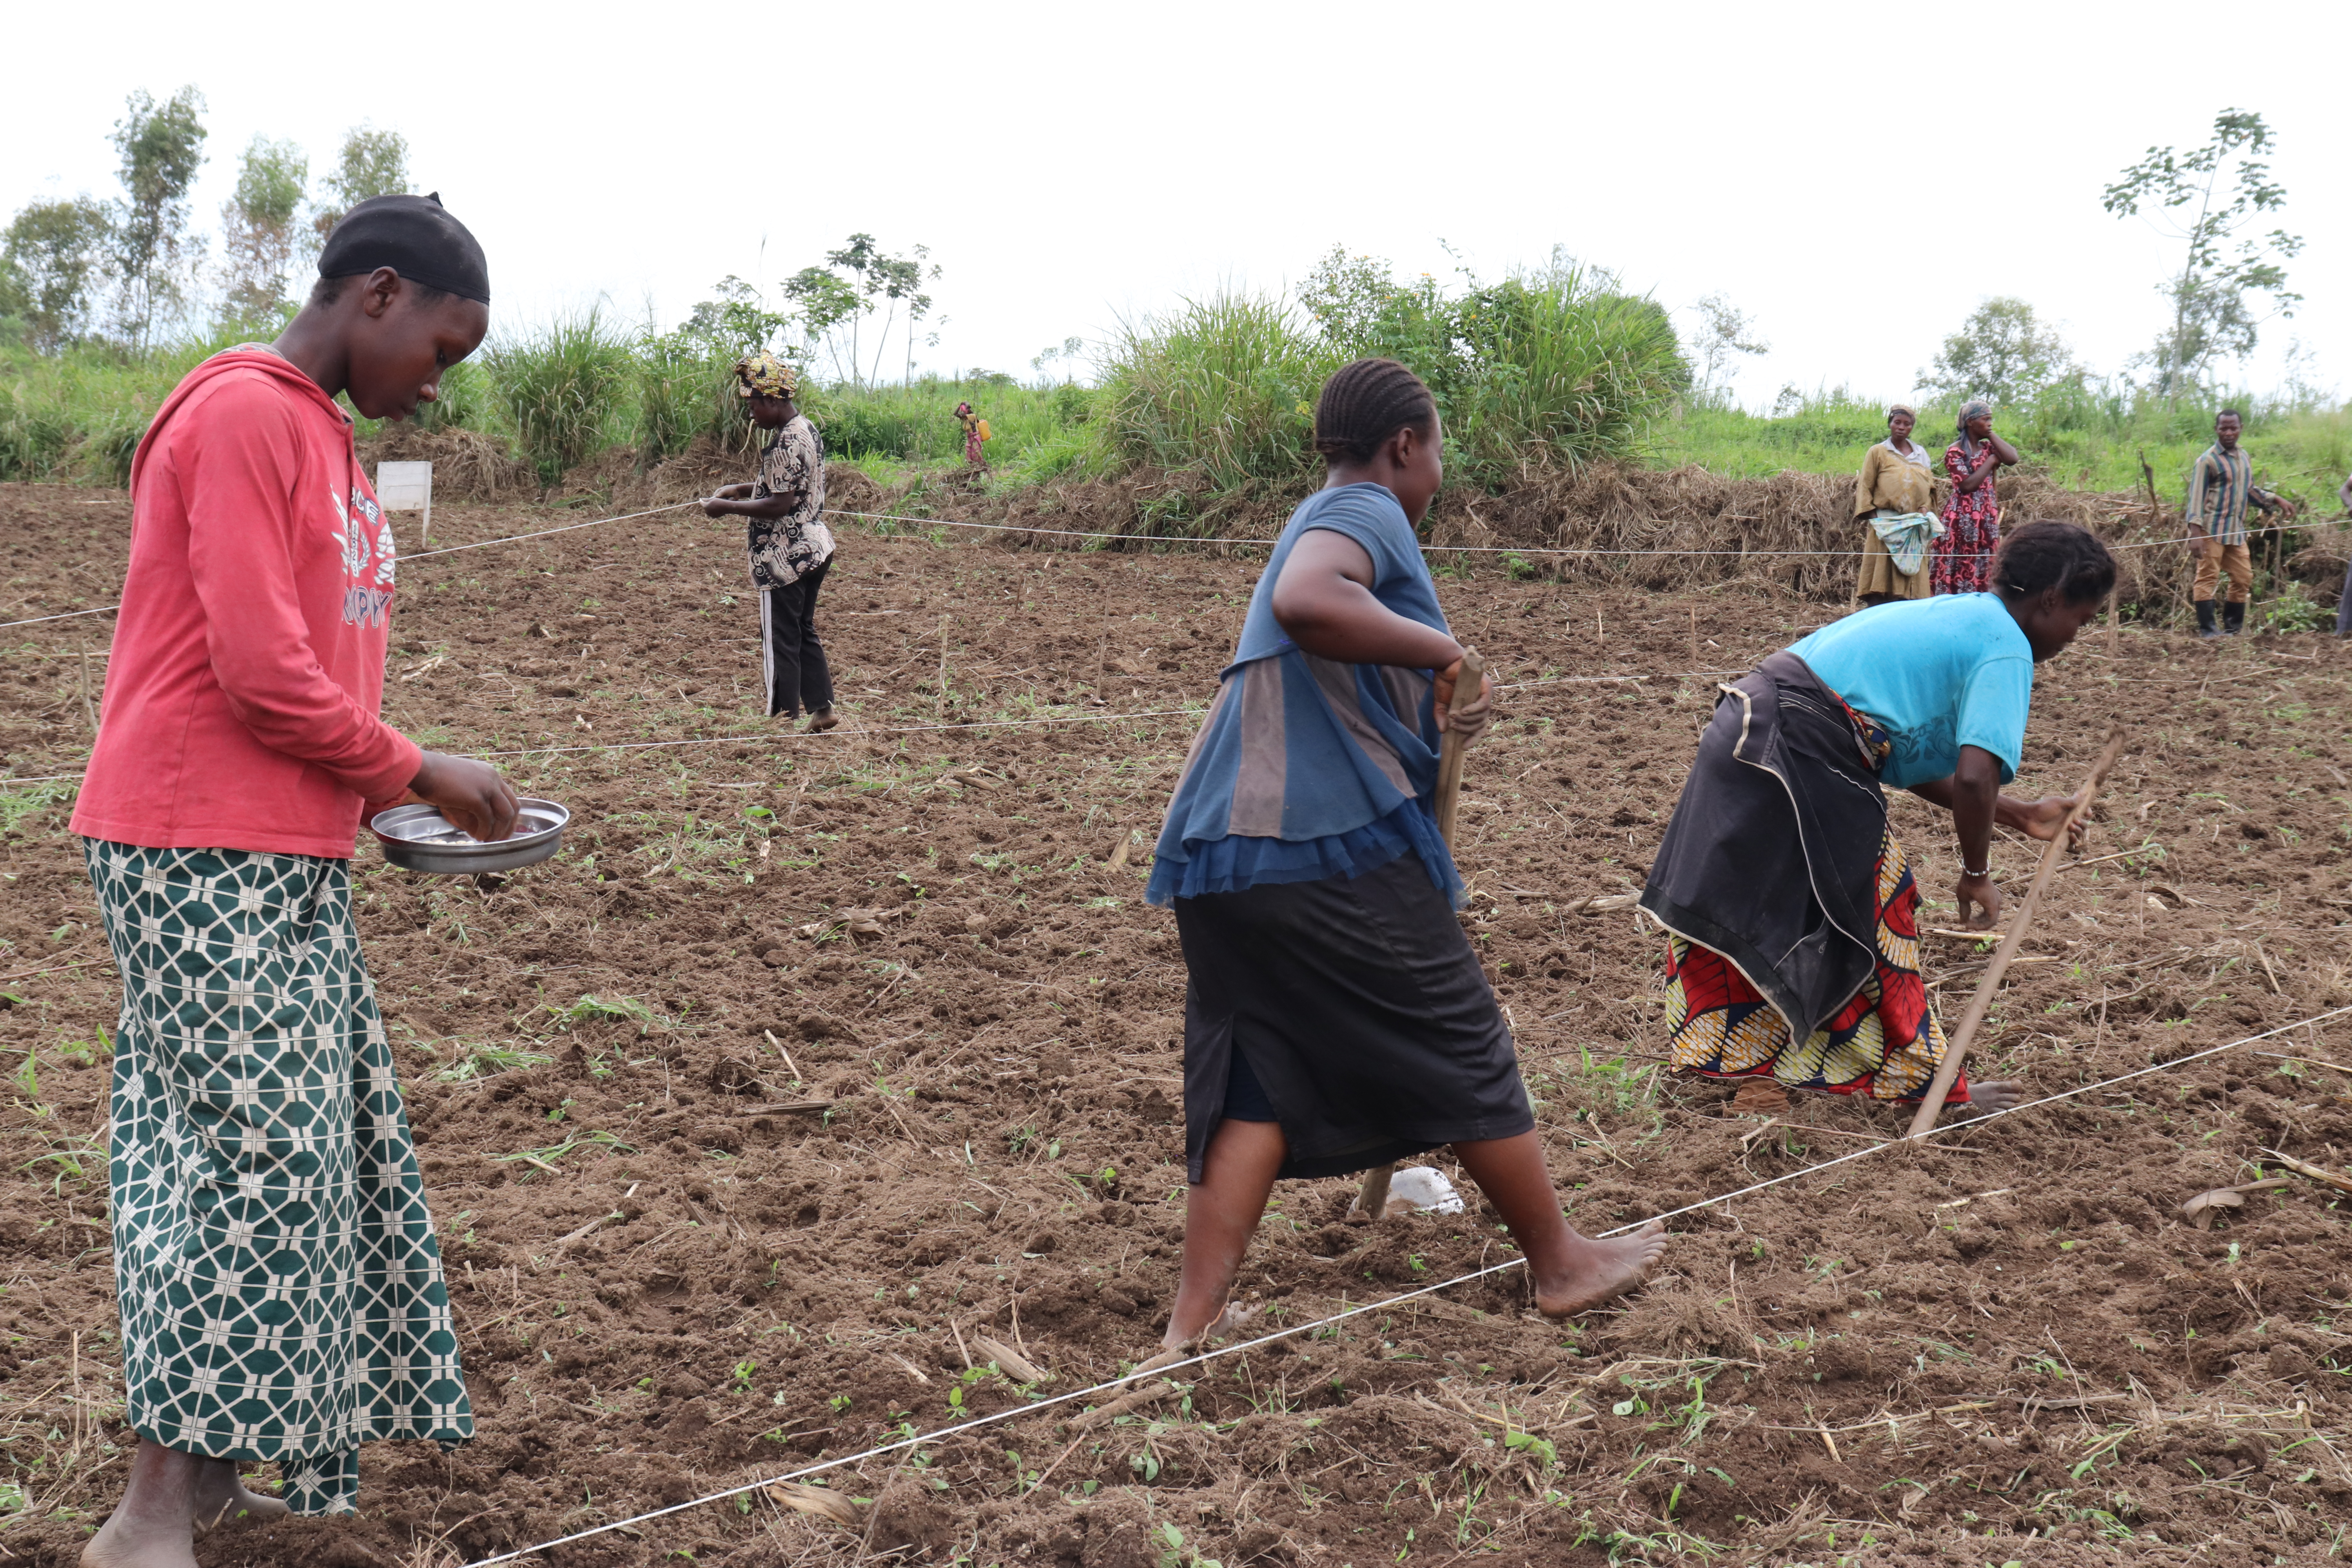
(670, 1279)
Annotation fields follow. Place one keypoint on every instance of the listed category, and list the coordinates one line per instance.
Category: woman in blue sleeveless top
(1336, 1017)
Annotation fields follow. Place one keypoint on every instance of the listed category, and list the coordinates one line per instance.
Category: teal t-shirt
(1937, 674)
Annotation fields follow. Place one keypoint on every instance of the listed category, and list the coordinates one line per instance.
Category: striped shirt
(1309, 767)
(2220, 486)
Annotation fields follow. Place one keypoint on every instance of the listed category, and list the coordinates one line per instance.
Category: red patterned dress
(1884, 1043)
(1961, 561)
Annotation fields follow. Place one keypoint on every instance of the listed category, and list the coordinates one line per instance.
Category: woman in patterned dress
(1962, 559)
(975, 457)
(1793, 912)
(280, 1287)
(790, 546)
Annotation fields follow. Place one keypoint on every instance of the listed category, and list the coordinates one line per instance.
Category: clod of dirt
(732, 1075)
(906, 1515)
(1041, 1242)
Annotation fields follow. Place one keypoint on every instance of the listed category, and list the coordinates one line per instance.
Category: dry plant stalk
(817, 1500)
(1009, 1362)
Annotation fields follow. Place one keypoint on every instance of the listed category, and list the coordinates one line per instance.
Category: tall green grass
(1225, 386)
(1548, 370)
(562, 390)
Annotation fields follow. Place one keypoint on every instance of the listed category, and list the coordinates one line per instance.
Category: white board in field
(406, 487)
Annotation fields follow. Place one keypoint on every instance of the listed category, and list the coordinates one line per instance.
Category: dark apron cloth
(1771, 856)
(1361, 1011)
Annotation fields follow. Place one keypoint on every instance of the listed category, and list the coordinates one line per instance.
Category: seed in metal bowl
(421, 839)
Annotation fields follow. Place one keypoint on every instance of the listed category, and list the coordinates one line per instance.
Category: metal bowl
(420, 839)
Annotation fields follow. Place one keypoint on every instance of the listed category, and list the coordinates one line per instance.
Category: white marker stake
(406, 487)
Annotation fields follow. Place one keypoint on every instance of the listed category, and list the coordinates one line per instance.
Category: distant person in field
(2344, 594)
(975, 436)
(1962, 559)
(281, 1289)
(1793, 915)
(1336, 1017)
(2221, 488)
(1895, 501)
(790, 546)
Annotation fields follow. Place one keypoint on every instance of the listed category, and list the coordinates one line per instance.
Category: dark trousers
(790, 658)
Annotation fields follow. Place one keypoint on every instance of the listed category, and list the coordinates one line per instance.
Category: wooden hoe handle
(1932, 1104)
(1374, 1196)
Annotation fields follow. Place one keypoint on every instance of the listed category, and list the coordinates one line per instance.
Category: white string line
(543, 534)
(419, 555)
(772, 739)
(845, 734)
(1427, 549)
(1381, 1305)
(1073, 533)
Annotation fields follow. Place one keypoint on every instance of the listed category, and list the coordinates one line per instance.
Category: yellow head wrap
(764, 375)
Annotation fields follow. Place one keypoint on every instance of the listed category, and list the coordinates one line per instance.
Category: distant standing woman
(1962, 559)
(1893, 501)
(975, 432)
(790, 546)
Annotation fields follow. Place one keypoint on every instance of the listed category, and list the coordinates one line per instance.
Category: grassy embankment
(1540, 373)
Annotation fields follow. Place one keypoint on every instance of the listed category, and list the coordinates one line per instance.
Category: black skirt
(1772, 858)
(1361, 1011)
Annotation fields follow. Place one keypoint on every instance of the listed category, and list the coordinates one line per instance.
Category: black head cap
(415, 236)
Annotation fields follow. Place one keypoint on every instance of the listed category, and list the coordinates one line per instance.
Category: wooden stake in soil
(1932, 1103)
(943, 669)
(1373, 1200)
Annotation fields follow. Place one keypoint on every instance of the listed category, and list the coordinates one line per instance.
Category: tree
(2207, 198)
(1069, 350)
(50, 261)
(829, 302)
(1725, 334)
(371, 164)
(1348, 296)
(258, 233)
(2003, 353)
(161, 147)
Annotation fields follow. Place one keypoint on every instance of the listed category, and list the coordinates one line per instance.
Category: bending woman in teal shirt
(1794, 951)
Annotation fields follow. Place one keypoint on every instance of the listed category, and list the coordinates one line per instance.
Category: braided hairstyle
(2061, 555)
(1366, 403)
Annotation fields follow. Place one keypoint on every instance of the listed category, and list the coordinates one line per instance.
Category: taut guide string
(1382, 1305)
(1127, 538)
(848, 734)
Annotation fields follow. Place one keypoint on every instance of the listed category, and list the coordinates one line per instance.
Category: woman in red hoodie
(280, 1287)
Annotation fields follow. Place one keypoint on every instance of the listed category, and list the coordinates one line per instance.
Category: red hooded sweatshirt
(242, 696)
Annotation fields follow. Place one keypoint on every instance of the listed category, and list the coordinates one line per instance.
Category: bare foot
(1600, 1271)
(222, 1496)
(125, 1541)
(1995, 1094)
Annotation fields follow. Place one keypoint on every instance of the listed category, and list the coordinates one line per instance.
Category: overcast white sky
(1856, 177)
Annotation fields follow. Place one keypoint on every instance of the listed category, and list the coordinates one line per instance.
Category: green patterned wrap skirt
(281, 1287)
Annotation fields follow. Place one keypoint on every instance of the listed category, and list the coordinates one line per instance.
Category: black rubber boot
(2205, 626)
(2233, 619)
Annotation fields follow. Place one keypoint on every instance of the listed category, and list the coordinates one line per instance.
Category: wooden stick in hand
(1932, 1104)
